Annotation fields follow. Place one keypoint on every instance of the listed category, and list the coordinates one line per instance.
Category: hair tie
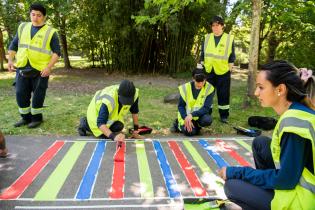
(305, 74)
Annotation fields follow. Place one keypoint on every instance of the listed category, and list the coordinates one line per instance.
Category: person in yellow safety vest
(36, 48)
(194, 103)
(218, 56)
(284, 177)
(107, 109)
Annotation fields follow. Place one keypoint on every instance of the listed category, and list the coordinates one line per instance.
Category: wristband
(112, 136)
(135, 127)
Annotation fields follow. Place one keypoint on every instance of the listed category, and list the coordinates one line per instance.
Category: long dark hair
(282, 72)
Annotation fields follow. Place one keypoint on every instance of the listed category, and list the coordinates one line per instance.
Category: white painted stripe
(179, 204)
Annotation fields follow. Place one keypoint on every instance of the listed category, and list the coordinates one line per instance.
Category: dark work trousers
(116, 127)
(221, 83)
(31, 89)
(203, 121)
(247, 195)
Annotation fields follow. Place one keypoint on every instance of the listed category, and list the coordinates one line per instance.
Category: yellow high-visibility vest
(109, 97)
(191, 103)
(303, 195)
(36, 50)
(217, 57)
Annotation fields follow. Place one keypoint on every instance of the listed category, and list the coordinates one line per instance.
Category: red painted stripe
(19, 186)
(118, 181)
(189, 172)
(232, 153)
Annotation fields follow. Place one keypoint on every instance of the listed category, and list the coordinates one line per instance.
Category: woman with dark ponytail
(284, 177)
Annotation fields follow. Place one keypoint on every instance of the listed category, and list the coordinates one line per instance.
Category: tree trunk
(64, 44)
(273, 43)
(253, 52)
(2, 54)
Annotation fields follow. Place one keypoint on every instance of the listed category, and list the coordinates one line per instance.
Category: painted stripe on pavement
(188, 170)
(169, 179)
(213, 154)
(53, 184)
(118, 180)
(88, 180)
(146, 186)
(244, 144)
(232, 153)
(19, 186)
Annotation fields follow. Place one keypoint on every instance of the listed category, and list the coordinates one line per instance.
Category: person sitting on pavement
(107, 109)
(3, 148)
(284, 177)
(194, 104)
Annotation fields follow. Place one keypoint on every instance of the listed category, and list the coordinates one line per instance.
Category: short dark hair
(38, 7)
(199, 74)
(217, 19)
(282, 72)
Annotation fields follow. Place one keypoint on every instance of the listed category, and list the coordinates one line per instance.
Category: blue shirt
(103, 113)
(54, 43)
(296, 153)
(200, 112)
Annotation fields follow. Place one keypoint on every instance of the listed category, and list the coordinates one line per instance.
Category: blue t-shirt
(296, 153)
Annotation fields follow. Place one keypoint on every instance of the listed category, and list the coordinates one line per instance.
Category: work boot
(174, 127)
(224, 120)
(34, 124)
(3, 149)
(81, 128)
(21, 123)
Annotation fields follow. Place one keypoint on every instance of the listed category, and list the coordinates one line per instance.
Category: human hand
(11, 66)
(120, 137)
(222, 173)
(188, 123)
(45, 72)
(135, 135)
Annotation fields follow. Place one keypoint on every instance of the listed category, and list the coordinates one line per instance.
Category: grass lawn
(70, 92)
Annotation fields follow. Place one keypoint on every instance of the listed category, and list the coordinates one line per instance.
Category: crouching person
(106, 112)
(194, 104)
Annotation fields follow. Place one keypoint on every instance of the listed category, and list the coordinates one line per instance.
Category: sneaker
(224, 120)
(21, 123)
(34, 124)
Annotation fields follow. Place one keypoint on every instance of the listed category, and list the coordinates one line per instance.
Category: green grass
(65, 107)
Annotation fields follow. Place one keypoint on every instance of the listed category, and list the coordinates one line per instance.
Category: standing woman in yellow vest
(218, 56)
(36, 48)
(284, 177)
(106, 112)
(194, 104)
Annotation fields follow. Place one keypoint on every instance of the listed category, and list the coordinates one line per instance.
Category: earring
(278, 94)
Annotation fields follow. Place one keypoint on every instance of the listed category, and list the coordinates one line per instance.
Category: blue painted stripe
(170, 181)
(215, 156)
(88, 180)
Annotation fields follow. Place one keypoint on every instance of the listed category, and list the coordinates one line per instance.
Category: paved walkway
(73, 173)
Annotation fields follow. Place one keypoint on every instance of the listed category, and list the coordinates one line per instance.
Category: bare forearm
(53, 60)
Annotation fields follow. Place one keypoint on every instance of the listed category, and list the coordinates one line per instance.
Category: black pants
(31, 89)
(221, 83)
(116, 127)
(249, 196)
(203, 121)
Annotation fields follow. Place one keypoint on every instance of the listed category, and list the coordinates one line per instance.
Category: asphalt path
(86, 173)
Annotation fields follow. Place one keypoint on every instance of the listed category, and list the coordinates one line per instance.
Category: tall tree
(253, 51)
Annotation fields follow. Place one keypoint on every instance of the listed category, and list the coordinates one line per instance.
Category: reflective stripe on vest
(109, 97)
(302, 196)
(217, 56)
(36, 50)
(206, 90)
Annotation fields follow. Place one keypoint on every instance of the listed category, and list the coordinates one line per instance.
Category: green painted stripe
(197, 157)
(245, 145)
(55, 181)
(144, 171)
